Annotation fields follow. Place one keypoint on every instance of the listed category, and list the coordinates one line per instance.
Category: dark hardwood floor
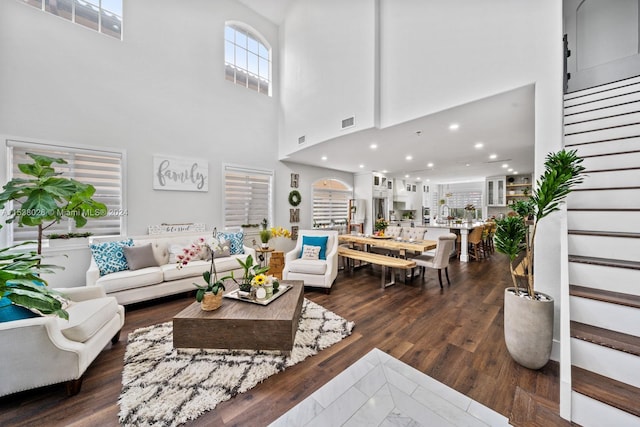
(454, 335)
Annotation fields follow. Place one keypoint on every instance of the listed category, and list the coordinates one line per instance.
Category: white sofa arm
(93, 273)
(83, 293)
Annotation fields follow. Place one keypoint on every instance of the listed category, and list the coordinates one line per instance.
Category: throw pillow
(110, 257)
(10, 311)
(140, 256)
(235, 241)
(316, 241)
(311, 252)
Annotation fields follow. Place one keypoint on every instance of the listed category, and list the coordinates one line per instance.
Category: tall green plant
(47, 198)
(562, 172)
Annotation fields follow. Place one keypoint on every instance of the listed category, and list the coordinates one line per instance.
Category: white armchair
(40, 351)
(317, 273)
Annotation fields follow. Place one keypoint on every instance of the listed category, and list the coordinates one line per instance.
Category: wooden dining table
(402, 246)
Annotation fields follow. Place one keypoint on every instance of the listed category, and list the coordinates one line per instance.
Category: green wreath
(294, 198)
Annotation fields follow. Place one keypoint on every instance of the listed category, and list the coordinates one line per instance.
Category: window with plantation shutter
(330, 203)
(101, 168)
(247, 196)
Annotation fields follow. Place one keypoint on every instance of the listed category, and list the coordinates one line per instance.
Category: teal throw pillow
(316, 241)
(110, 257)
(235, 241)
(10, 311)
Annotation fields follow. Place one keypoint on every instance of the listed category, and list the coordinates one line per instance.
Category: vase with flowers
(251, 270)
(263, 286)
(380, 226)
(209, 295)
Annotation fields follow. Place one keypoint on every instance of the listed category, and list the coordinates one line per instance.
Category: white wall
(160, 90)
(328, 60)
(433, 56)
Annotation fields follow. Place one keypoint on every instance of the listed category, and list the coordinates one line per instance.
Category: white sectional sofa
(164, 278)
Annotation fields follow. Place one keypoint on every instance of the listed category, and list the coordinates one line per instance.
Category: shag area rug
(163, 386)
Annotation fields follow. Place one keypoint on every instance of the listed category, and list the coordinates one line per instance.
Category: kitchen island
(435, 229)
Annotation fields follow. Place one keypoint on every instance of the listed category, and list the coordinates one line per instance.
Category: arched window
(331, 204)
(247, 58)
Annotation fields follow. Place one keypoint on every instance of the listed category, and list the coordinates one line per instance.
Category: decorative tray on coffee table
(235, 295)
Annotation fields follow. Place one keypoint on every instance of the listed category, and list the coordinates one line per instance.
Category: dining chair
(415, 233)
(476, 246)
(440, 261)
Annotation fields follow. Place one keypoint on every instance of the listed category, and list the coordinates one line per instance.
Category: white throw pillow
(311, 252)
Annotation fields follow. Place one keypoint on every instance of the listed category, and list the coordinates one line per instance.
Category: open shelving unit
(519, 188)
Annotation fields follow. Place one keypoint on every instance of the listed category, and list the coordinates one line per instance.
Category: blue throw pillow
(235, 240)
(110, 257)
(10, 311)
(316, 241)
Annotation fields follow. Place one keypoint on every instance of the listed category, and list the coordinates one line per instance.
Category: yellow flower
(259, 280)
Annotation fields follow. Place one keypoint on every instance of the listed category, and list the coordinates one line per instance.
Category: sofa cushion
(139, 256)
(87, 317)
(192, 269)
(109, 256)
(308, 266)
(316, 241)
(235, 241)
(130, 279)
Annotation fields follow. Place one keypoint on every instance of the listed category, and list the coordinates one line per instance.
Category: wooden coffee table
(240, 324)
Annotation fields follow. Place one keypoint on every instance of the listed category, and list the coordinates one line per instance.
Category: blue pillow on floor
(316, 241)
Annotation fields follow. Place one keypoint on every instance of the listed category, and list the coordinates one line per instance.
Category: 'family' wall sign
(179, 174)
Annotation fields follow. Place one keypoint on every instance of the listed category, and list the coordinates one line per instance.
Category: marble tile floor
(379, 390)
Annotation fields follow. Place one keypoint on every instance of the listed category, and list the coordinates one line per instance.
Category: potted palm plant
(528, 314)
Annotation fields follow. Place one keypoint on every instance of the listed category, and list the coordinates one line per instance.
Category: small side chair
(440, 261)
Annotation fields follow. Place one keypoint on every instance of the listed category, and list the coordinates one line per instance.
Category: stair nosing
(609, 391)
(616, 153)
(608, 338)
(601, 129)
(606, 262)
(626, 113)
(603, 295)
(575, 144)
(619, 234)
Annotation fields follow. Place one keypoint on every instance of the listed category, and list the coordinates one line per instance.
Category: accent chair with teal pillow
(318, 273)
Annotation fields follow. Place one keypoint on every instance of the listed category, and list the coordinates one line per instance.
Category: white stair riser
(599, 199)
(601, 135)
(570, 119)
(619, 161)
(612, 179)
(605, 315)
(617, 146)
(623, 280)
(603, 93)
(603, 221)
(620, 366)
(621, 248)
(602, 88)
(602, 123)
(579, 107)
(589, 412)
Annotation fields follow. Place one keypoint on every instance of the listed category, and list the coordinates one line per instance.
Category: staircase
(603, 125)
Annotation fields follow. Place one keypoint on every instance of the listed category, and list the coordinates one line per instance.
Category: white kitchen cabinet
(496, 191)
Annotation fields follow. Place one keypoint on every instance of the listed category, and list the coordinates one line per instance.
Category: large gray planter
(528, 329)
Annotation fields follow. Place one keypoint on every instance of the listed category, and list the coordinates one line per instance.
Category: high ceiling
(503, 123)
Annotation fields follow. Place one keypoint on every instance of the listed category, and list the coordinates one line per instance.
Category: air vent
(348, 122)
(302, 139)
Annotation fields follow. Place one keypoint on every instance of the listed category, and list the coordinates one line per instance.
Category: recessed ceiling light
(361, 166)
(505, 165)
(428, 180)
(429, 165)
(479, 145)
(454, 126)
(373, 146)
(409, 157)
(510, 169)
(385, 171)
(493, 156)
(406, 176)
(418, 179)
(515, 172)
(467, 164)
(324, 157)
